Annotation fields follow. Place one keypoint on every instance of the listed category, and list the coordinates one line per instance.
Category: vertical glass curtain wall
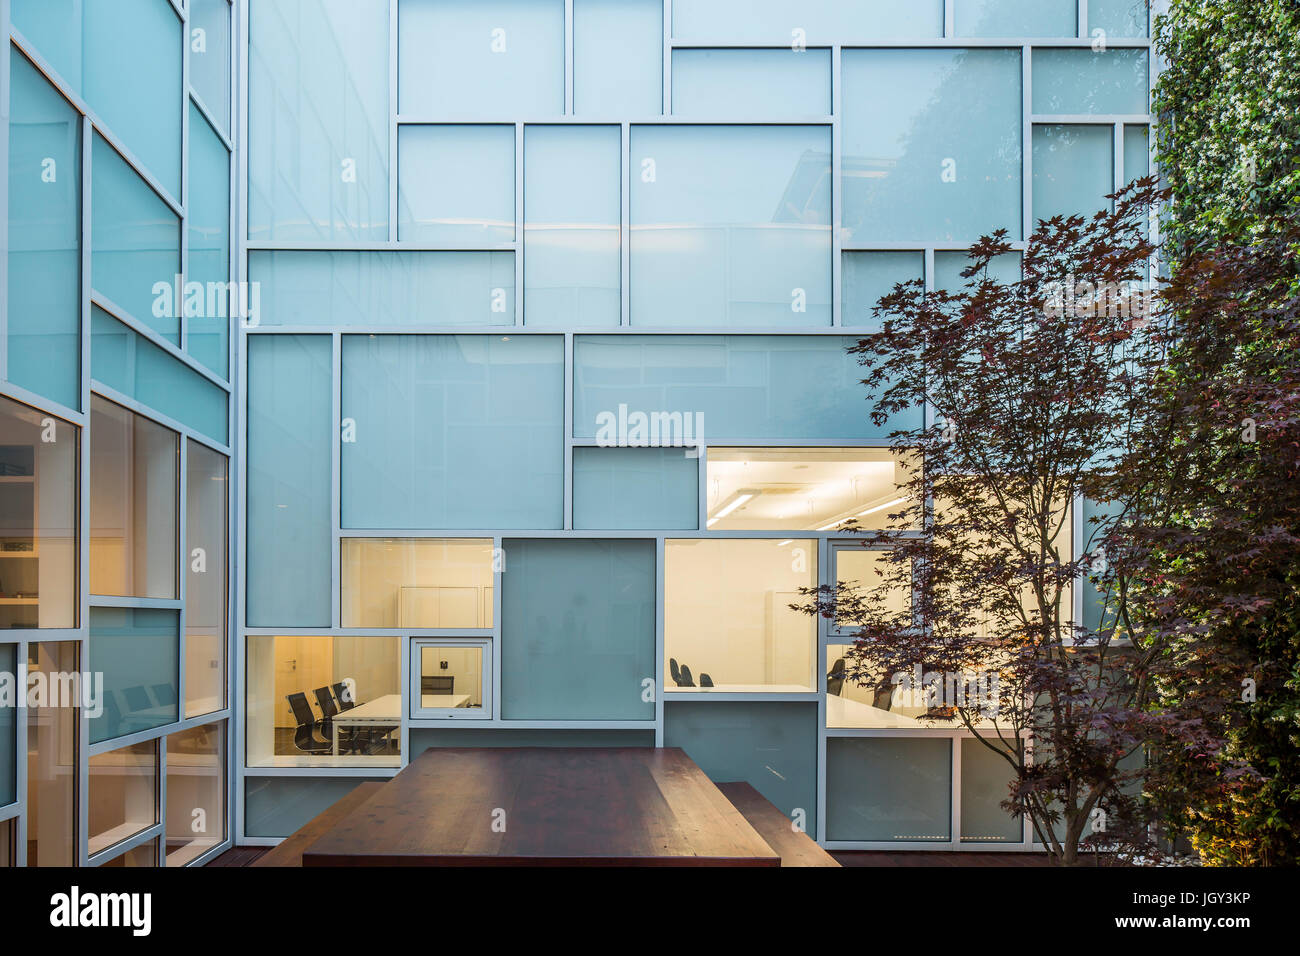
(551, 353)
(116, 399)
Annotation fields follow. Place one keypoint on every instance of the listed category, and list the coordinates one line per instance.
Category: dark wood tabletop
(539, 806)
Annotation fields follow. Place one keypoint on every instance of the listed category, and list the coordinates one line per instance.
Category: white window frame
(483, 711)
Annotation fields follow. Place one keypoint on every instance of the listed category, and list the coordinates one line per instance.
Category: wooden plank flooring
(795, 849)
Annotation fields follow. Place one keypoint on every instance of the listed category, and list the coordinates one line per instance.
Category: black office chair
(675, 671)
(835, 679)
(687, 680)
(437, 684)
(706, 680)
(343, 696)
(304, 737)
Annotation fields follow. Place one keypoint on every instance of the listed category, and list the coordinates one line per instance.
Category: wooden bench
(794, 848)
(289, 852)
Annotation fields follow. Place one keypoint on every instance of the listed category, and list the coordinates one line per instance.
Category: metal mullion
(152, 832)
(126, 401)
(625, 226)
(105, 304)
(336, 479)
(837, 191)
(182, 320)
(235, 678)
(1026, 142)
(41, 404)
(660, 652)
(211, 120)
(568, 432)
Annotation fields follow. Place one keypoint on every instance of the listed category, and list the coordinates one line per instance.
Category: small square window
(451, 677)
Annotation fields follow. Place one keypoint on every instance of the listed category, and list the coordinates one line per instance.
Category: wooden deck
(794, 848)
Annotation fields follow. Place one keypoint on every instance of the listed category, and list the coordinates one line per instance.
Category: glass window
(123, 794)
(129, 363)
(1077, 81)
(424, 738)
(135, 244)
(277, 806)
(206, 496)
(949, 265)
(456, 184)
(318, 120)
(770, 745)
(757, 84)
(417, 582)
(938, 158)
(618, 62)
(728, 625)
(803, 489)
(208, 228)
(1016, 18)
(137, 650)
(9, 727)
(453, 431)
(480, 57)
(1073, 170)
(210, 59)
(146, 854)
(572, 261)
(773, 21)
(44, 297)
(196, 792)
(724, 387)
(52, 742)
(867, 277)
(38, 519)
(578, 630)
(289, 478)
(889, 789)
(324, 701)
(133, 503)
(731, 226)
(985, 781)
(635, 488)
(1137, 153)
(868, 570)
(380, 289)
(1118, 18)
(451, 679)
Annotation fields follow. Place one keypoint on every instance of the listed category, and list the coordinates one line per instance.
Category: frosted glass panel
(949, 265)
(456, 184)
(209, 252)
(134, 366)
(289, 436)
(617, 57)
(137, 650)
(866, 277)
(210, 58)
(1119, 18)
(577, 630)
(1073, 170)
(318, 116)
(572, 186)
(453, 431)
(277, 806)
(383, 289)
(135, 243)
(888, 789)
(635, 488)
(772, 21)
(1016, 18)
(771, 745)
(425, 739)
(1081, 81)
(501, 58)
(206, 495)
(1137, 154)
(757, 84)
(44, 298)
(731, 226)
(937, 158)
(985, 779)
(744, 386)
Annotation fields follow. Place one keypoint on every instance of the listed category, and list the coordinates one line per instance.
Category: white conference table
(386, 711)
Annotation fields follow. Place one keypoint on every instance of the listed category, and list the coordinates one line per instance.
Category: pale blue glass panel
(773, 21)
(8, 731)
(1074, 167)
(289, 462)
(772, 746)
(138, 652)
(757, 84)
(1077, 81)
(577, 630)
(731, 226)
(208, 225)
(932, 144)
(1016, 18)
(985, 780)
(635, 489)
(889, 789)
(746, 386)
(1137, 153)
(430, 738)
(54, 28)
(382, 289)
(1119, 18)
(134, 366)
(572, 265)
(44, 296)
(454, 431)
(1097, 519)
(277, 806)
(318, 120)
(210, 58)
(618, 61)
(134, 243)
(456, 184)
(497, 58)
(949, 265)
(866, 277)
